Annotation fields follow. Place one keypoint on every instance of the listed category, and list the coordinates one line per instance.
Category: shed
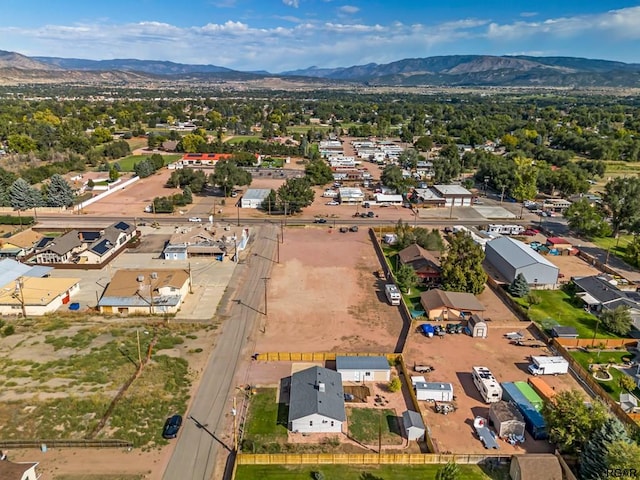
(558, 243)
(414, 427)
(435, 391)
(511, 257)
(363, 369)
(536, 466)
(506, 419)
(254, 197)
(477, 327)
(564, 332)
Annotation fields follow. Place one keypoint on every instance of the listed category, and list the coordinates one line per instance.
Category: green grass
(366, 424)
(355, 472)
(127, 163)
(556, 307)
(617, 247)
(621, 167)
(99, 477)
(267, 421)
(242, 138)
(612, 387)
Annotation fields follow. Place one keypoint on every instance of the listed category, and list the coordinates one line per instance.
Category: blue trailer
(534, 421)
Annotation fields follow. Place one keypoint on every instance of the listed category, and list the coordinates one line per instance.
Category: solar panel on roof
(102, 247)
(121, 225)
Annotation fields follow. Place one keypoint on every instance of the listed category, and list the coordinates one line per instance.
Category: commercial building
(511, 257)
(254, 197)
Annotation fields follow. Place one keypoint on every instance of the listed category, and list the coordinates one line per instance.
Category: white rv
(505, 229)
(393, 294)
(487, 384)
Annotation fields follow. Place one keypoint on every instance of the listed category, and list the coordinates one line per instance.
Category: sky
(284, 35)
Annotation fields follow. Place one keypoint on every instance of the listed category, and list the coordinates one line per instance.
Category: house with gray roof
(599, 293)
(511, 257)
(58, 249)
(316, 401)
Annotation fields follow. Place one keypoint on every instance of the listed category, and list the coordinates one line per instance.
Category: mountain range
(451, 70)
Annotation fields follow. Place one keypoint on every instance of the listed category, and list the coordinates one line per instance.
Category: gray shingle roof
(412, 419)
(307, 399)
(517, 253)
(362, 363)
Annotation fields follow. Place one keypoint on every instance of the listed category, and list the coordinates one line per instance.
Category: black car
(320, 220)
(371, 214)
(172, 426)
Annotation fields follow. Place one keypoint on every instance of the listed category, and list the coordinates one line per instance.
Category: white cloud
(291, 3)
(529, 14)
(348, 9)
(621, 23)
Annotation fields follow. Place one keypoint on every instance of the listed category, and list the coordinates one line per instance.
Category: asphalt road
(198, 447)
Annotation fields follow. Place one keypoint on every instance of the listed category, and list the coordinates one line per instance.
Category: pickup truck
(423, 368)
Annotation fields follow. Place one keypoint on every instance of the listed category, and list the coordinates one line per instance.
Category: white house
(350, 196)
(18, 471)
(316, 401)
(254, 197)
(36, 295)
(145, 292)
(363, 369)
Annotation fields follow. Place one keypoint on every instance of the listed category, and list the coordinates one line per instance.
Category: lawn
(411, 300)
(267, 420)
(612, 387)
(369, 425)
(357, 472)
(241, 138)
(127, 163)
(618, 245)
(556, 307)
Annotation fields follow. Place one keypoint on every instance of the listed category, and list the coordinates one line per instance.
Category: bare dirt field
(323, 296)
(453, 357)
(572, 266)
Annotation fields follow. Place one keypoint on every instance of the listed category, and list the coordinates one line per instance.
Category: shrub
(8, 330)
(533, 298)
(394, 385)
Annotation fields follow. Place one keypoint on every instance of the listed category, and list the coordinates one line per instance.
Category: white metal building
(436, 391)
(254, 197)
(363, 369)
(511, 257)
(350, 196)
(382, 198)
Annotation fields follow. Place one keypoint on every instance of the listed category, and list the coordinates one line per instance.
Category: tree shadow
(393, 424)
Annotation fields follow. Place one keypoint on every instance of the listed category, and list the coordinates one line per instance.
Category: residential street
(199, 443)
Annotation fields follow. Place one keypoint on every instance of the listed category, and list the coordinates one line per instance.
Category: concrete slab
(495, 212)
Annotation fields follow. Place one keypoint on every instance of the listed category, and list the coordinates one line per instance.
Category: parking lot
(453, 357)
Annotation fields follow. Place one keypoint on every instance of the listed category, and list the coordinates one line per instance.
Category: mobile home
(487, 385)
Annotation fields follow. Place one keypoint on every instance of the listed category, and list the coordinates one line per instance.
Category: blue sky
(280, 35)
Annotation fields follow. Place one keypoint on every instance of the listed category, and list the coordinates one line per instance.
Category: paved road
(198, 447)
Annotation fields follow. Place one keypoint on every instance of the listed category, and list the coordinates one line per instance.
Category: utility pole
(281, 231)
(266, 280)
(238, 209)
(139, 352)
(278, 247)
(19, 294)
(190, 280)
(234, 412)
(150, 296)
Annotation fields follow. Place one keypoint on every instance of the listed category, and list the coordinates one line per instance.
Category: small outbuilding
(363, 369)
(254, 197)
(558, 243)
(434, 391)
(414, 428)
(506, 419)
(477, 327)
(535, 466)
(560, 331)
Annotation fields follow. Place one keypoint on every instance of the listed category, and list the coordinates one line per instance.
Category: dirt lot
(572, 266)
(323, 296)
(453, 357)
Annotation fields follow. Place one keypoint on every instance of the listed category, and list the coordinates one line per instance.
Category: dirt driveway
(324, 296)
(453, 357)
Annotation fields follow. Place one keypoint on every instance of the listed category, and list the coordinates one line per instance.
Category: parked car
(439, 330)
(319, 220)
(195, 219)
(344, 229)
(455, 328)
(354, 228)
(371, 214)
(172, 427)
(529, 233)
(366, 205)
(332, 203)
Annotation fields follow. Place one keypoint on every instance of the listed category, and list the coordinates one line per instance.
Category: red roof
(557, 240)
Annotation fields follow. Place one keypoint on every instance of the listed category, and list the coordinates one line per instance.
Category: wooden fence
(596, 388)
(317, 356)
(65, 443)
(365, 458)
(599, 342)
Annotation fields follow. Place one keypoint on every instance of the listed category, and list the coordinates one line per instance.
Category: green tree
(192, 143)
(519, 287)
(593, 459)
(163, 205)
(423, 144)
(295, 194)
(392, 178)
(462, 267)
(627, 383)
(450, 471)
(624, 456)
(58, 192)
(622, 200)
(571, 422)
(23, 196)
(407, 278)
(525, 176)
(632, 251)
(405, 234)
(227, 175)
(394, 385)
(20, 143)
(187, 195)
(429, 240)
(318, 172)
(587, 220)
(617, 321)
(269, 204)
(101, 135)
(113, 174)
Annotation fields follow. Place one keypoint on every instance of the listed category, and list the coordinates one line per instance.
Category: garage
(363, 369)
